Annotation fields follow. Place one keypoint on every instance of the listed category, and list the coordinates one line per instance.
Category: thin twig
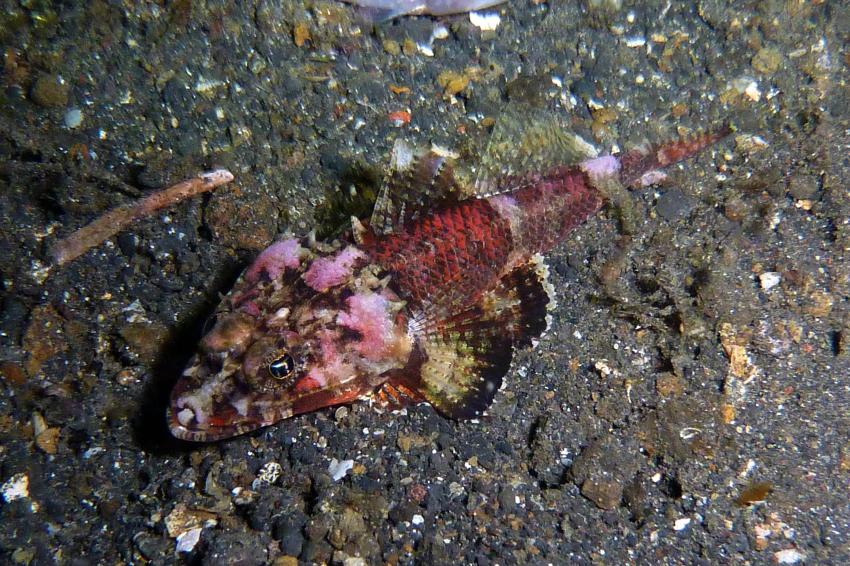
(87, 237)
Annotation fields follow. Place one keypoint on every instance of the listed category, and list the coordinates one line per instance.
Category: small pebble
(187, 541)
(767, 60)
(749, 143)
(50, 91)
(93, 451)
(747, 86)
(804, 187)
(769, 280)
(788, 556)
(73, 118)
(205, 85)
(48, 440)
(129, 376)
(270, 472)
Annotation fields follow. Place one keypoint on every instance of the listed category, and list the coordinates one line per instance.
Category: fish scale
(548, 208)
(447, 255)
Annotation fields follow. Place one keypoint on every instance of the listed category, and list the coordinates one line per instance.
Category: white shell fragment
(187, 541)
(788, 556)
(338, 470)
(16, 487)
(747, 86)
(749, 143)
(205, 85)
(73, 118)
(485, 21)
(769, 280)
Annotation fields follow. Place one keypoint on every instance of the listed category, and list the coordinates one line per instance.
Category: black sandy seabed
(690, 404)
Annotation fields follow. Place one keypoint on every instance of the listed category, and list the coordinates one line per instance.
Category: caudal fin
(638, 162)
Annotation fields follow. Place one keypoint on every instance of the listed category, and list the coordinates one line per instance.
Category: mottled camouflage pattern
(427, 302)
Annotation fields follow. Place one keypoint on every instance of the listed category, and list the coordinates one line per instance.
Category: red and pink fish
(426, 302)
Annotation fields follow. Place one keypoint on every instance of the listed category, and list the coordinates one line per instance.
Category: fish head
(300, 330)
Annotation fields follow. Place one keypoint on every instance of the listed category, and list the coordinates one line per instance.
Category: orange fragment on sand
(400, 117)
(301, 34)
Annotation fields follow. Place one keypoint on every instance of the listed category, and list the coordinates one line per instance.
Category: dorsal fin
(463, 358)
(414, 184)
(527, 141)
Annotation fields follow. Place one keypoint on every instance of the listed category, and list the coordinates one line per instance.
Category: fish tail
(649, 158)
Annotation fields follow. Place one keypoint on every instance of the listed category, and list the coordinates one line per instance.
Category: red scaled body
(459, 251)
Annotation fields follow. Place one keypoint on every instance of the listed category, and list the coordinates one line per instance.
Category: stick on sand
(87, 237)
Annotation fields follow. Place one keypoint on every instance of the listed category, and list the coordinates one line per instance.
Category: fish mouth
(195, 433)
(210, 403)
(207, 406)
(187, 423)
(184, 425)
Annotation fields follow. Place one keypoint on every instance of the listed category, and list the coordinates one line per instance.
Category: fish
(427, 301)
(381, 10)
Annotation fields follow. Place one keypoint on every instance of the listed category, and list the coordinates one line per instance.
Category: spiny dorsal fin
(413, 185)
(525, 142)
(465, 357)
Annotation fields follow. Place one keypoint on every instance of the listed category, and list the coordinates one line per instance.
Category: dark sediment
(690, 403)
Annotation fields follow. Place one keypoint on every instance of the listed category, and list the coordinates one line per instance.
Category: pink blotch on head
(330, 353)
(250, 307)
(369, 315)
(330, 368)
(601, 167)
(275, 259)
(327, 272)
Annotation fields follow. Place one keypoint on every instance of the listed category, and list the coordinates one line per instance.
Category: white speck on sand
(338, 470)
(187, 541)
(485, 21)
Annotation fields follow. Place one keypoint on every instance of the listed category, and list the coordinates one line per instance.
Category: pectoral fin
(462, 359)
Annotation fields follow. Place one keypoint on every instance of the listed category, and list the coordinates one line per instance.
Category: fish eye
(281, 366)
